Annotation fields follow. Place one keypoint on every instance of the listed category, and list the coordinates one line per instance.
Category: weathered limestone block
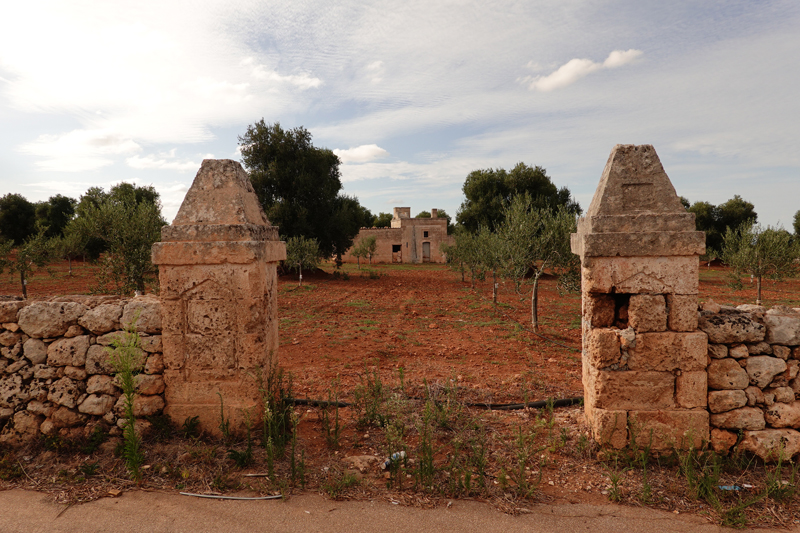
(49, 319)
(109, 338)
(598, 310)
(75, 373)
(783, 326)
(666, 430)
(98, 360)
(618, 391)
(647, 312)
(603, 347)
(669, 351)
(781, 352)
(717, 351)
(17, 367)
(101, 384)
(35, 351)
(142, 405)
(9, 310)
(792, 370)
(731, 327)
(640, 275)
(751, 418)
(145, 311)
(13, 391)
(763, 368)
(726, 400)
(64, 392)
(768, 444)
(690, 389)
(738, 351)
(154, 364)
(68, 352)
(74, 331)
(755, 310)
(174, 356)
(40, 408)
(147, 384)
(22, 429)
(151, 344)
(66, 418)
(6, 413)
(610, 428)
(783, 415)
(38, 389)
(13, 352)
(782, 394)
(102, 319)
(682, 312)
(724, 374)
(97, 404)
(8, 338)
(722, 441)
(759, 348)
(796, 352)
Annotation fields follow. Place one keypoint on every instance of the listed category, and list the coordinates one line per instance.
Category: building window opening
(424, 234)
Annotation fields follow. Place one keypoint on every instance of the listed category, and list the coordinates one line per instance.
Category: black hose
(563, 402)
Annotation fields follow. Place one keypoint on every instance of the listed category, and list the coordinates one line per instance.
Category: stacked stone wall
(55, 373)
(753, 383)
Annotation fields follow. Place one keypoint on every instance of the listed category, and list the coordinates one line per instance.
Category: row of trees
(117, 227)
(516, 225)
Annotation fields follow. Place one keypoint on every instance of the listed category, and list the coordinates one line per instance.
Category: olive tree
(35, 252)
(751, 249)
(302, 252)
(535, 240)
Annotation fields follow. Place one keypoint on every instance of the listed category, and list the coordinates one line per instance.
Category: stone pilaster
(218, 280)
(644, 362)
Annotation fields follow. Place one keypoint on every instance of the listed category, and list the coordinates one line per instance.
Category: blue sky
(412, 95)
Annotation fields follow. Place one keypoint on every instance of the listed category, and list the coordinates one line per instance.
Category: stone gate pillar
(217, 271)
(644, 363)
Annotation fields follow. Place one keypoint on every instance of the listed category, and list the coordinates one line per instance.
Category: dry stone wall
(753, 384)
(55, 374)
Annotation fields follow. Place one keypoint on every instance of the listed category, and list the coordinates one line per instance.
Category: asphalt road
(134, 512)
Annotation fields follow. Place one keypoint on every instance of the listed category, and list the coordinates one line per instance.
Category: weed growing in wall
(126, 356)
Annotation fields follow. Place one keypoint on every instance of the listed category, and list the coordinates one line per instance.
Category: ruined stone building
(408, 240)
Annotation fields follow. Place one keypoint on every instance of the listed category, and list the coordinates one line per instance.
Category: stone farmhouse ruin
(408, 240)
(657, 367)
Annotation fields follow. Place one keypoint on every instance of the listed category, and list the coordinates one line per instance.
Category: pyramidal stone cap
(635, 211)
(221, 205)
(220, 222)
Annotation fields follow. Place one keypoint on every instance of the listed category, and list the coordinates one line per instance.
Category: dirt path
(151, 512)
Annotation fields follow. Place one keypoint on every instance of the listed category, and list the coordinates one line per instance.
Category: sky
(412, 95)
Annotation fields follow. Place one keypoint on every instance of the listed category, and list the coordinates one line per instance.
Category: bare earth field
(427, 350)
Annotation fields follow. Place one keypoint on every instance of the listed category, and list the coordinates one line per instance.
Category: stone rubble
(56, 377)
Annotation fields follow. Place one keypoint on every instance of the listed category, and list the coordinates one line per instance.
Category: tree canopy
(715, 220)
(124, 223)
(796, 224)
(382, 220)
(17, 218)
(299, 186)
(489, 191)
(750, 249)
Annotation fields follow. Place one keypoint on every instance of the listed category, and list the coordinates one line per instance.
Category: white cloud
(79, 150)
(361, 154)
(575, 69)
(155, 161)
(302, 81)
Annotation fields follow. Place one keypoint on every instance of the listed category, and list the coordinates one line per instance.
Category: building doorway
(426, 252)
(397, 253)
